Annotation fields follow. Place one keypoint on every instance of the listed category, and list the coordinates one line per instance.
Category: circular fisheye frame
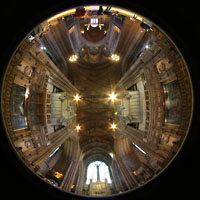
(97, 100)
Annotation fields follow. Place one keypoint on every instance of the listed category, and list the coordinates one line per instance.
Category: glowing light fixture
(77, 98)
(135, 173)
(27, 93)
(113, 126)
(43, 48)
(78, 128)
(55, 151)
(58, 175)
(73, 186)
(112, 96)
(88, 27)
(115, 57)
(73, 58)
(139, 148)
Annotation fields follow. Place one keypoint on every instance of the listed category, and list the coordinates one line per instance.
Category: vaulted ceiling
(95, 74)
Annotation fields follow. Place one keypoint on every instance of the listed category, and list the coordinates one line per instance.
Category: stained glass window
(96, 167)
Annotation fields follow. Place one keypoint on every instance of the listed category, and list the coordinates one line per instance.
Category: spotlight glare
(78, 128)
(43, 48)
(112, 96)
(113, 126)
(77, 98)
(115, 57)
(73, 58)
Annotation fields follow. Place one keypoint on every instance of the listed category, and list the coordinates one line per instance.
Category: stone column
(116, 176)
(68, 179)
(56, 77)
(80, 181)
(125, 161)
(73, 155)
(44, 152)
(136, 136)
(127, 175)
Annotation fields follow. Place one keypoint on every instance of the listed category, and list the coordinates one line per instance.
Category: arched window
(98, 170)
(94, 22)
